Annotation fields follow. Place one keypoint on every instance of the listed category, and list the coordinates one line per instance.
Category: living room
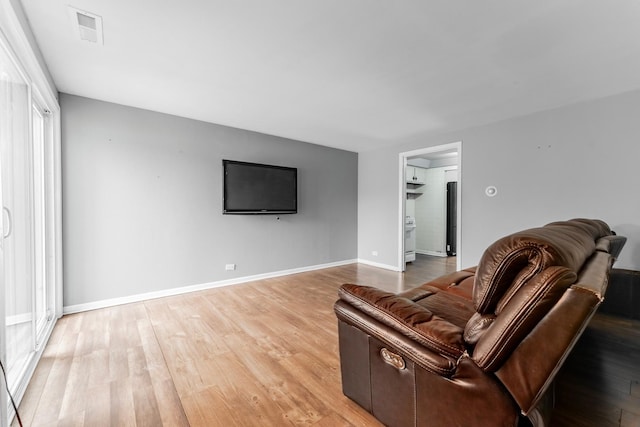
(141, 186)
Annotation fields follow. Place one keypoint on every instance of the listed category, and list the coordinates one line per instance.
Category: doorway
(423, 179)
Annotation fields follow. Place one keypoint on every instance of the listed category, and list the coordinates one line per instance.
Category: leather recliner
(479, 347)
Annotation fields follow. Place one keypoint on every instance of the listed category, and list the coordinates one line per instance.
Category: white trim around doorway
(457, 146)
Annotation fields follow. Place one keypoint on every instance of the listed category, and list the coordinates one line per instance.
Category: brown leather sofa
(479, 347)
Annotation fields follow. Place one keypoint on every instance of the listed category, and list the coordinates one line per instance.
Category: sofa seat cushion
(458, 283)
(409, 318)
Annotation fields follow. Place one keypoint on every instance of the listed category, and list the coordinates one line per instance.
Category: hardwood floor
(599, 384)
(265, 353)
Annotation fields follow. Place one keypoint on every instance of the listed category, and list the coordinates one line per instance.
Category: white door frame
(403, 196)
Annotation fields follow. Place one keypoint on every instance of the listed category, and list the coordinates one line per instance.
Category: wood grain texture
(597, 385)
(266, 353)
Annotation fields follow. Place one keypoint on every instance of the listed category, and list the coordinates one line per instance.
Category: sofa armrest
(408, 318)
(431, 361)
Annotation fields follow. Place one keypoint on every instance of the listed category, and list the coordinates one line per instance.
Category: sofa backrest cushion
(520, 315)
(530, 369)
(519, 278)
(514, 259)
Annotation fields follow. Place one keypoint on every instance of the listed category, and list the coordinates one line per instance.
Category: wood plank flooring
(265, 353)
(599, 384)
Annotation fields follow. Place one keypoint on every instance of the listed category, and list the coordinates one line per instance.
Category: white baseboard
(193, 288)
(379, 265)
(17, 319)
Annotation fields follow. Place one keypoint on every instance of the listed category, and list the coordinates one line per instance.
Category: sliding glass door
(27, 279)
(17, 232)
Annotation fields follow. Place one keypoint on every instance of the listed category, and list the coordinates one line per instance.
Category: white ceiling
(353, 74)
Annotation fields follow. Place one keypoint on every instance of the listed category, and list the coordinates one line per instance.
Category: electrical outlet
(230, 267)
(374, 253)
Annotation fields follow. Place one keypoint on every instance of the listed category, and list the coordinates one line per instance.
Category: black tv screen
(252, 188)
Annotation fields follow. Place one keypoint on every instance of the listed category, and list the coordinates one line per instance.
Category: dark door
(452, 217)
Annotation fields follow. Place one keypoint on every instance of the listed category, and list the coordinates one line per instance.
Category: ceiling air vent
(87, 26)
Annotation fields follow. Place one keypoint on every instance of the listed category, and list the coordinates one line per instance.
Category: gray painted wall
(143, 203)
(578, 161)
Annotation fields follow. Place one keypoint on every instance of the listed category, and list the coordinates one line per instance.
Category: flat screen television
(253, 188)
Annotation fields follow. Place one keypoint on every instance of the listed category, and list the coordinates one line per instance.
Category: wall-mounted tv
(253, 188)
